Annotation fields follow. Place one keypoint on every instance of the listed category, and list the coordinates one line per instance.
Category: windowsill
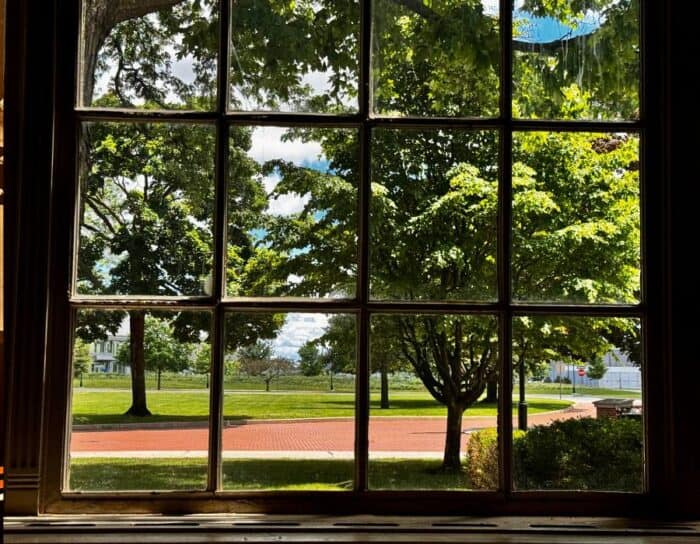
(278, 528)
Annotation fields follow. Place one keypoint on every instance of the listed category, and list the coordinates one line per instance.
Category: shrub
(584, 454)
(482, 458)
(548, 380)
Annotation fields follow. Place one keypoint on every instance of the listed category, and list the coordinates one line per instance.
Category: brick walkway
(405, 434)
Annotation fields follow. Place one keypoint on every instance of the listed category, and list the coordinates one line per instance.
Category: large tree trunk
(138, 365)
(103, 16)
(158, 386)
(384, 388)
(492, 391)
(453, 438)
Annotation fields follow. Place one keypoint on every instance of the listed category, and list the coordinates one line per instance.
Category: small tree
(201, 361)
(81, 359)
(310, 360)
(256, 360)
(596, 369)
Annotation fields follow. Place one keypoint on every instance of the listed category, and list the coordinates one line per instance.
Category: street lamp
(522, 405)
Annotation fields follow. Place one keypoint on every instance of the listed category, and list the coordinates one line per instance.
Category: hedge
(580, 454)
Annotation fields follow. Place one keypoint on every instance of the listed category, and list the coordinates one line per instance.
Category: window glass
(297, 56)
(141, 422)
(435, 58)
(584, 56)
(289, 401)
(596, 365)
(292, 212)
(146, 209)
(161, 56)
(433, 209)
(435, 373)
(576, 217)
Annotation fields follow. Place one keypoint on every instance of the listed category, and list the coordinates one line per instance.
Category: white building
(621, 373)
(104, 355)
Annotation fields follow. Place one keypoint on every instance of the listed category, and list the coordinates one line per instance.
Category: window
(251, 240)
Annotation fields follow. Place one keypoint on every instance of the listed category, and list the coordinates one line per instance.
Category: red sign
(581, 372)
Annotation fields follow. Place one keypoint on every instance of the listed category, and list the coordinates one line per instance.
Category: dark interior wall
(684, 172)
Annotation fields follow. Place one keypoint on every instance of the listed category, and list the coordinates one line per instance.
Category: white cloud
(491, 7)
(287, 204)
(297, 330)
(267, 144)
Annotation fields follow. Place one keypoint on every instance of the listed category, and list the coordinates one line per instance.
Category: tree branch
(90, 202)
(131, 9)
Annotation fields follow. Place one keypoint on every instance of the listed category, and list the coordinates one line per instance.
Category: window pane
(144, 55)
(595, 365)
(297, 56)
(140, 415)
(292, 227)
(289, 401)
(438, 58)
(146, 209)
(575, 63)
(576, 217)
(438, 377)
(433, 215)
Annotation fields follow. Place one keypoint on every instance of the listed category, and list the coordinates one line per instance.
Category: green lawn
(169, 380)
(109, 406)
(256, 474)
(341, 384)
(567, 389)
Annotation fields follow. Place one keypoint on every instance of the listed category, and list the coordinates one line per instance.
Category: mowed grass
(567, 389)
(102, 407)
(296, 383)
(121, 474)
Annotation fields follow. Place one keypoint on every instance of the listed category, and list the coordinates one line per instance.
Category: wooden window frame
(53, 26)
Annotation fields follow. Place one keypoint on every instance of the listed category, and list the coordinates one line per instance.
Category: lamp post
(522, 405)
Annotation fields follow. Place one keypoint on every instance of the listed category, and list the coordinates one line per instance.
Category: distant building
(621, 373)
(104, 355)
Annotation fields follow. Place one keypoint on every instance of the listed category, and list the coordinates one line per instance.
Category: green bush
(585, 454)
(482, 458)
(581, 454)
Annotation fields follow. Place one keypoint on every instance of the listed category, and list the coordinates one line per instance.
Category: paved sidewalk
(386, 434)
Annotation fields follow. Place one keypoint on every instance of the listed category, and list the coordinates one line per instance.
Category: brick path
(405, 434)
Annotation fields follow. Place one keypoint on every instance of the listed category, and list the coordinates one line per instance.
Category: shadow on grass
(120, 474)
(256, 474)
(104, 419)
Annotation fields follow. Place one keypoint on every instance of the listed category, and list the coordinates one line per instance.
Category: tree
(82, 359)
(596, 368)
(161, 350)
(310, 361)
(201, 361)
(257, 360)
